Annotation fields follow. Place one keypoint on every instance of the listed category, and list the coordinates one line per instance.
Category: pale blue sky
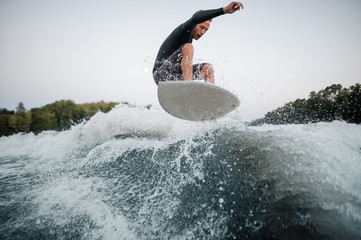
(270, 53)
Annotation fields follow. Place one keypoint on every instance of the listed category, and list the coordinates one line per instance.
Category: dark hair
(199, 11)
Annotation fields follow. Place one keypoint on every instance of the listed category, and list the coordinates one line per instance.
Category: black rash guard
(183, 34)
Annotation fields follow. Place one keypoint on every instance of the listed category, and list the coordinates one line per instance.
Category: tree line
(60, 115)
(332, 103)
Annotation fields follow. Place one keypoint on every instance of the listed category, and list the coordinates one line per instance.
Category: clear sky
(268, 54)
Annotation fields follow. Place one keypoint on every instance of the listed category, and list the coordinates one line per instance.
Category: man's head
(201, 28)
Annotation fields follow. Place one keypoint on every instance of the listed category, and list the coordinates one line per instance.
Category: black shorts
(171, 69)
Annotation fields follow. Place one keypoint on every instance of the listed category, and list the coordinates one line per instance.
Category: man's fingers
(238, 5)
(233, 6)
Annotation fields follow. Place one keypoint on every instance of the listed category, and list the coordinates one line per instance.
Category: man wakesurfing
(175, 57)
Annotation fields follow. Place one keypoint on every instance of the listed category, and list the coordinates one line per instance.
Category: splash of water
(135, 173)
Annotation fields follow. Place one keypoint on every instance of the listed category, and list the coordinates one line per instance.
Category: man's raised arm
(209, 14)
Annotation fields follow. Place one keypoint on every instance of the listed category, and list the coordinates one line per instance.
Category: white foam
(125, 119)
(67, 197)
(326, 156)
(321, 154)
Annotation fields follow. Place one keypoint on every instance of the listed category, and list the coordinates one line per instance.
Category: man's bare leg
(187, 65)
(187, 61)
(208, 73)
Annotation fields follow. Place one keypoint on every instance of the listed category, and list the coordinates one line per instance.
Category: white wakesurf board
(195, 100)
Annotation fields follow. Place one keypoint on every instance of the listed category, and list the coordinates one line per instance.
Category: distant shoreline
(332, 103)
(60, 115)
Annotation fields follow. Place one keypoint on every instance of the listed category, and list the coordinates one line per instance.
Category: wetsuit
(167, 66)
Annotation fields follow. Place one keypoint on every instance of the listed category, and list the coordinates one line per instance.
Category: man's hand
(232, 7)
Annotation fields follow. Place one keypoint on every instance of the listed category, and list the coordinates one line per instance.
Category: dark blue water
(128, 175)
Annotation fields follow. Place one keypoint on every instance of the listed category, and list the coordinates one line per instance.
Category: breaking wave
(135, 173)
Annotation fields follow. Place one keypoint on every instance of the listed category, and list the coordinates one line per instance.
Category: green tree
(91, 109)
(334, 102)
(20, 109)
(23, 119)
(67, 113)
(42, 119)
(59, 115)
(5, 114)
(350, 103)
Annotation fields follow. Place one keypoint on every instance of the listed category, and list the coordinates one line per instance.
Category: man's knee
(207, 68)
(208, 72)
